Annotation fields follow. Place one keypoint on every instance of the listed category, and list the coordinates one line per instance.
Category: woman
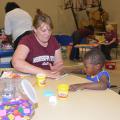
(18, 23)
(80, 37)
(39, 51)
(110, 41)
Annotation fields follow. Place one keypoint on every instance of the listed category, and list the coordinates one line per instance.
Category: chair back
(64, 40)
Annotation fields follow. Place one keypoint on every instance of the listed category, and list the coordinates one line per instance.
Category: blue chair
(64, 40)
(5, 65)
(6, 53)
(3, 54)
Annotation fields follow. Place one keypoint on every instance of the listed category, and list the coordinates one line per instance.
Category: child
(93, 63)
(111, 41)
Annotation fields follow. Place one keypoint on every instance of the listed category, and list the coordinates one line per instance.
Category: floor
(114, 74)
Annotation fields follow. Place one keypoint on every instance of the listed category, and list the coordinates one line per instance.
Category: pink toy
(2, 113)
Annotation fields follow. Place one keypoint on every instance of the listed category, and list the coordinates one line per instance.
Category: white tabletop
(80, 105)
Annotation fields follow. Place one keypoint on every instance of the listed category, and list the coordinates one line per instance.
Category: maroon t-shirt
(110, 35)
(38, 55)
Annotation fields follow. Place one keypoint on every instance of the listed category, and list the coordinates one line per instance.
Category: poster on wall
(80, 4)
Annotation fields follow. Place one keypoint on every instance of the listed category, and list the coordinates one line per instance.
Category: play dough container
(17, 99)
(63, 90)
(41, 79)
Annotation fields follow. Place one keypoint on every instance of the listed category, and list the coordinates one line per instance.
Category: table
(83, 48)
(86, 45)
(80, 105)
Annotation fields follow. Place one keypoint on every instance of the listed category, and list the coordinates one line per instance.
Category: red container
(110, 65)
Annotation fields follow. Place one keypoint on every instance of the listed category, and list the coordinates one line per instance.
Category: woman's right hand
(52, 74)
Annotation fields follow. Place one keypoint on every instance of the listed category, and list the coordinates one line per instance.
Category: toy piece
(48, 93)
(16, 110)
(53, 100)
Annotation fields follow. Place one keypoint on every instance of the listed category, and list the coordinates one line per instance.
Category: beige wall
(113, 8)
(62, 19)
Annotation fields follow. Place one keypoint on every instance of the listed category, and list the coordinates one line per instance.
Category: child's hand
(75, 87)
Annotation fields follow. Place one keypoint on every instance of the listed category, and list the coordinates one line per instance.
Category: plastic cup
(63, 90)
(41, 79)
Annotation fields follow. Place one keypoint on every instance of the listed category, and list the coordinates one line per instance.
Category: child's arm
(101, 85)
(78, 71)
(73, 69)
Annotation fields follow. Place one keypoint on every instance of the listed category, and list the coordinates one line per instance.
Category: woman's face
(108, 29)
(43, 32)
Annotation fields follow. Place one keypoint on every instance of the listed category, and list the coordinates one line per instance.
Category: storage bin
(17, 99)
(110, 65)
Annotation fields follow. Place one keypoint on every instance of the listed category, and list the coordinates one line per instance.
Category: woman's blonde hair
(41, 17)
(109, 27)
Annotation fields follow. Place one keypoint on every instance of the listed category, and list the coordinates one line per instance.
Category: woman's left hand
(56, 66)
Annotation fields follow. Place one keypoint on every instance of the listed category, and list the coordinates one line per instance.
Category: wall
(113, 8)
(62, 19)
